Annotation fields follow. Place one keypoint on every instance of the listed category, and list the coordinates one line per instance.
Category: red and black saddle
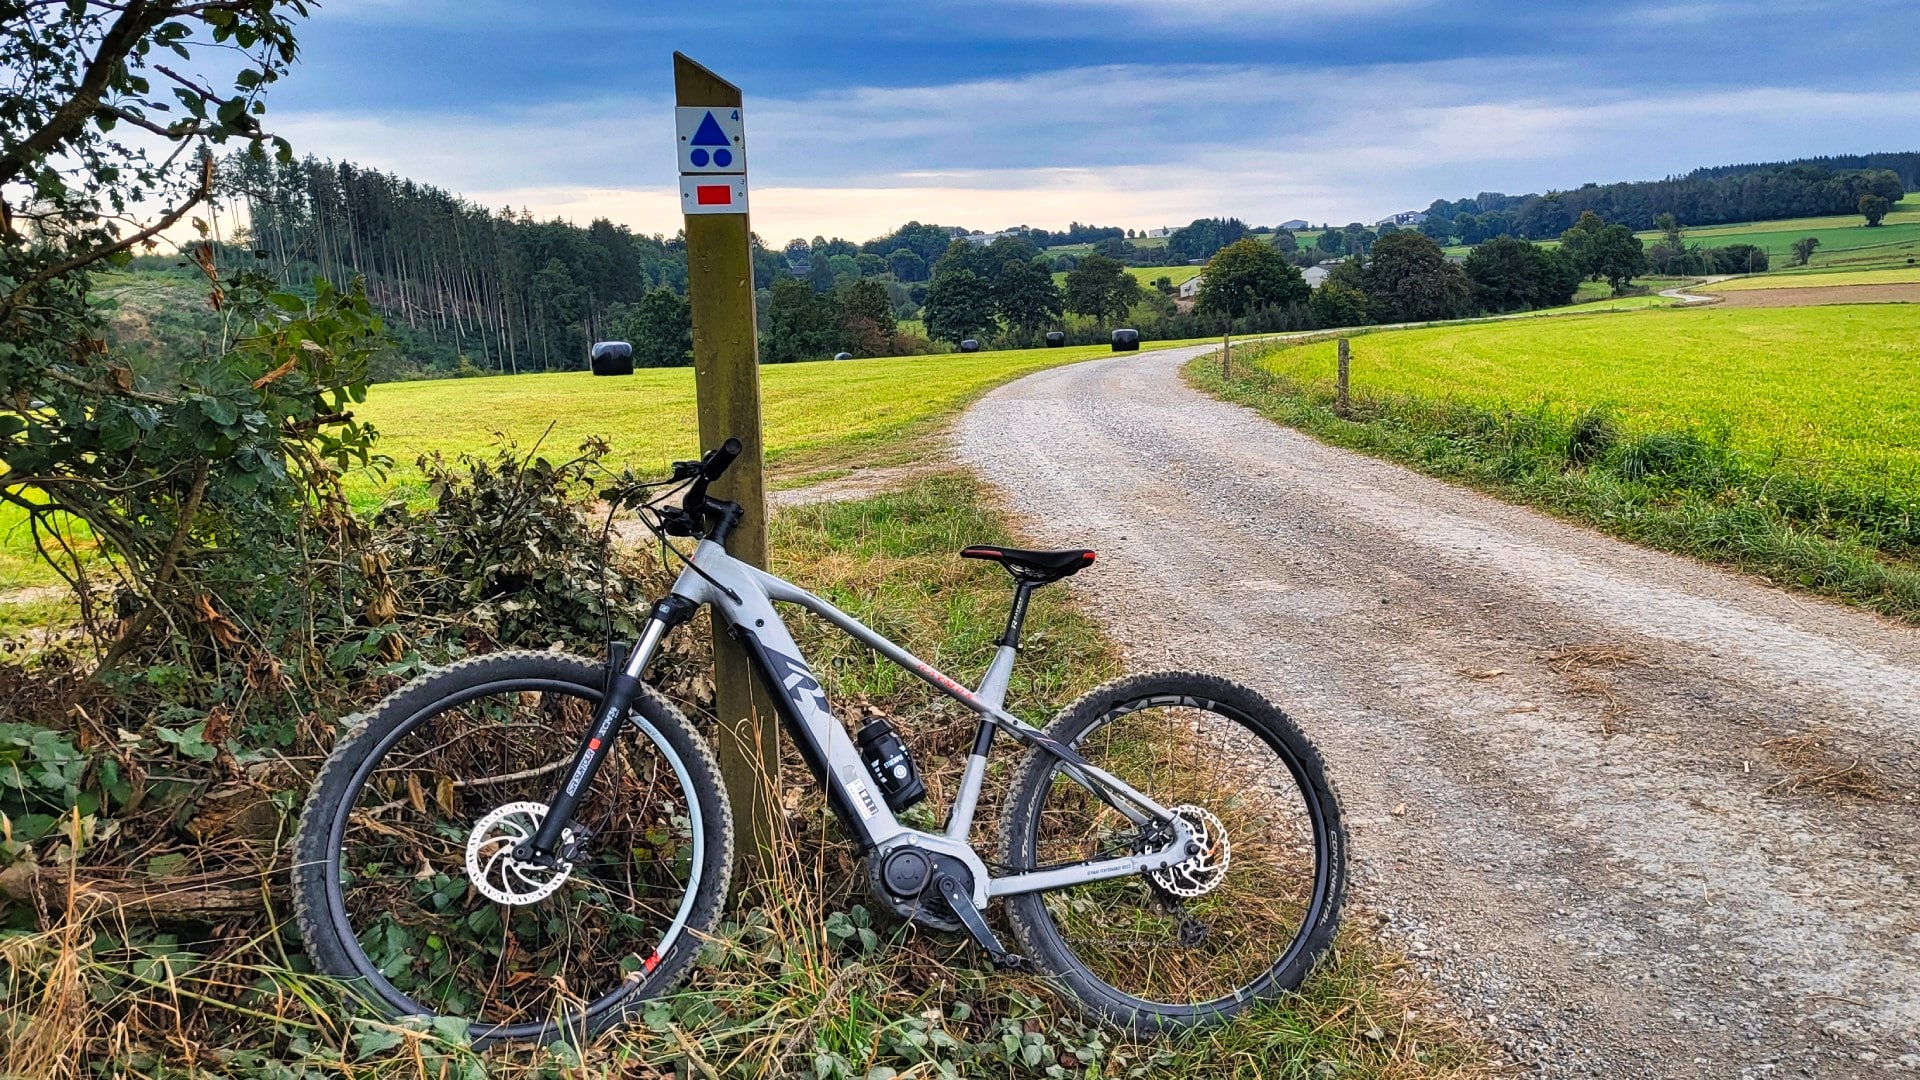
(1037, 567)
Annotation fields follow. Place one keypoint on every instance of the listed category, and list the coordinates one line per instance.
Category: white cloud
(1138, 146)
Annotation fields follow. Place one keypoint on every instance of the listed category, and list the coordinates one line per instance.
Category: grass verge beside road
(1785, 442)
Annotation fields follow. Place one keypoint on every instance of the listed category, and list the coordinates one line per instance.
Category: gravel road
(1592, 785)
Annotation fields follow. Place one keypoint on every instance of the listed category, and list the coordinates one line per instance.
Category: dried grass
(1814, 763)
(1575, 664)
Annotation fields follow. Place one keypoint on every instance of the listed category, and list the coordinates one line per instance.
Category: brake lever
(675, 521)
(686, 470)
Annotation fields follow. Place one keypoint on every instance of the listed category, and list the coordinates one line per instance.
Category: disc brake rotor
(1202, 873)
(490, 863)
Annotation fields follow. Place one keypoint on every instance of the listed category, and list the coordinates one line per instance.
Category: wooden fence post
(726, 377)
(1340, 385)
(1226, 356)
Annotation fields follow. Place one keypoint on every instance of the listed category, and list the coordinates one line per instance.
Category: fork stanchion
(726, 375)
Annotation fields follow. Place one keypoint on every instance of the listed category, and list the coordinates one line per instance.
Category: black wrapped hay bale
(1126, 341)
(843, 356)
(612, 358)
(969, 345)
(1056, 340)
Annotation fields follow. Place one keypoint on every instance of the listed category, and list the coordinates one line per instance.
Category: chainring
(491, 866)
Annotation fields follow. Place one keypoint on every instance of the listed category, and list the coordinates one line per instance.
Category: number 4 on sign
(711, 140)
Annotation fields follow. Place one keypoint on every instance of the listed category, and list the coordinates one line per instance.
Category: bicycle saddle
(1038, 567)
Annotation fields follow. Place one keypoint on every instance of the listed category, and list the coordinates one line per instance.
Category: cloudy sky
(862, 114)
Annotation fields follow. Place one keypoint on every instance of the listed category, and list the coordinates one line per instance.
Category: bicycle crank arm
(961, 901)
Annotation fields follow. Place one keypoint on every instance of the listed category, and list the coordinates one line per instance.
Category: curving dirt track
(1636, 816)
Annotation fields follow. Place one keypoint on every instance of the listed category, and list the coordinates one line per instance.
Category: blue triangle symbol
(710, 134)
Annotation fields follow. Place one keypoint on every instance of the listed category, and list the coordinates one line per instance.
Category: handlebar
(716, 461)
(715, 517)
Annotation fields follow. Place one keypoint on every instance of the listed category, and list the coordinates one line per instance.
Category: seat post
(993, 691)
(1022, 592)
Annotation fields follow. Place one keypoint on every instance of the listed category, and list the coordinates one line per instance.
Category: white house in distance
(1293, 226)
(1189, 289)
(1155, 234)
(1405, 219)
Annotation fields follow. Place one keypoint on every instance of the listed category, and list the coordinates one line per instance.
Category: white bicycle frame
(743, 597)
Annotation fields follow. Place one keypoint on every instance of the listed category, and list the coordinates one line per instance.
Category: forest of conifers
(465, 287)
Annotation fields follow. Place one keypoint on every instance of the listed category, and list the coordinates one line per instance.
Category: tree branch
(167, 221)
(103, 389)
(134, 22)
(142, 122)
(200, 898)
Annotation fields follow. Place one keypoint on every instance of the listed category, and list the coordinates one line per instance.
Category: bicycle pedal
(1011, 962)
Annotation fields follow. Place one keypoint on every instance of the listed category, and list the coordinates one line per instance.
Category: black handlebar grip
(717, 462)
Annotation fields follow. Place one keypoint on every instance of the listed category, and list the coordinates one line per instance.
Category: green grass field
(1783, 441)
(1147, 275)
(1837, 385)
(850, 406)
(818, 418)
(1899, 275)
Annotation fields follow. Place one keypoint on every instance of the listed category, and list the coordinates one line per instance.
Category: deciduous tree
(1100, 288)
(1249, 274)
(198, 479)
(1510, 274)
(660, 327)
(800, 324)
(1026, 297)
(1408, 279)
(1874, 208)
(1336, 303)
(959, 305)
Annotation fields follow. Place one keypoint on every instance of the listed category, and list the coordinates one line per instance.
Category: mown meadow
(817, 419)
(1785, 441)
(1901, 275)
(815, 416)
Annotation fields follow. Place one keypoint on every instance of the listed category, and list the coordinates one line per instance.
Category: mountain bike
(540, 843)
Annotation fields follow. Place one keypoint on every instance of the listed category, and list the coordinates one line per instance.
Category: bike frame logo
(802, 688)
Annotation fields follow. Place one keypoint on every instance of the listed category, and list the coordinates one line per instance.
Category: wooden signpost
(726, 373)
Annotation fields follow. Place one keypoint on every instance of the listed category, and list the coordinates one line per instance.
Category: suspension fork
(598, 743)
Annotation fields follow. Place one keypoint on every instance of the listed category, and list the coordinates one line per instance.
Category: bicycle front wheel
(405, 880)
(1245, 919)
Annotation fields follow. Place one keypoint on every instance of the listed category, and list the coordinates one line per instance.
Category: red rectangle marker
(713, 194)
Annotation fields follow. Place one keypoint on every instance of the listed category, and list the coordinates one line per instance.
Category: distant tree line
(460, 284)
(1905, 165)
(470, 289)
(1703, 197)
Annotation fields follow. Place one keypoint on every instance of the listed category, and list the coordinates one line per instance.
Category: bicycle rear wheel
(404, 880)
(1245, 919)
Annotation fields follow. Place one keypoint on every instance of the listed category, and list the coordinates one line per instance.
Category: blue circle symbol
(722, 158)
(699, 158)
